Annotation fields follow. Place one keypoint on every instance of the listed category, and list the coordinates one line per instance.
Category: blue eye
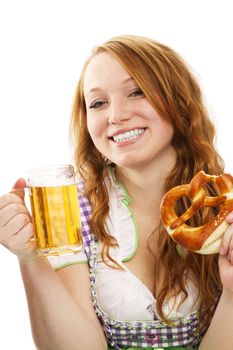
(137, 92)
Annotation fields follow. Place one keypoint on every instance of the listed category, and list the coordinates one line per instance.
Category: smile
(128, 136)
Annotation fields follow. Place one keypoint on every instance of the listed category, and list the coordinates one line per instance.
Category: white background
(43, 45)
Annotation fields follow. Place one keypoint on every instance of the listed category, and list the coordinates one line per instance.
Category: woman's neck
(147, 184)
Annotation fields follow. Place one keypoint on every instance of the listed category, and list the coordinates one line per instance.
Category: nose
(118, 112)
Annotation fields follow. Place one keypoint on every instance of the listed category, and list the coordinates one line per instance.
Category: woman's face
(122, 123)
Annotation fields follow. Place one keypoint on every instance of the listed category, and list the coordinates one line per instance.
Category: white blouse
(121, 294)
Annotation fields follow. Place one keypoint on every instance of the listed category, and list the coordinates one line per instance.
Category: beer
(56, 217)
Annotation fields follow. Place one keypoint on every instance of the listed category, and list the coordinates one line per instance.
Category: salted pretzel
(204, 239)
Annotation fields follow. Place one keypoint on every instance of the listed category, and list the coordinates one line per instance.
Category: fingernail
(229, 217)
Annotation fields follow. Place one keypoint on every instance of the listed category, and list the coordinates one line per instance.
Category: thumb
(18, 187)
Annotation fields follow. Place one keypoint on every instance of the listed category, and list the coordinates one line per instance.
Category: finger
(20, 242)
(230, 256)
(224, 263)
(15, 225)
(9, 198)
(229, 218)
(26, 234)
(10, 211)
(20, 183)
(226, 240)
(18, 188)
(230, 250)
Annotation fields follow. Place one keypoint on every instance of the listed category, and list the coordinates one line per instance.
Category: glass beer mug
(55, 209)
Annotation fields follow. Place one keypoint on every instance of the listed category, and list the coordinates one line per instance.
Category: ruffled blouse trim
(127, 235)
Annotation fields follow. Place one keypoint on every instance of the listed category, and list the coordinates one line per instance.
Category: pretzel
(204, 239)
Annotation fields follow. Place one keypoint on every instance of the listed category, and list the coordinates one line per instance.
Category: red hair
(171, 88)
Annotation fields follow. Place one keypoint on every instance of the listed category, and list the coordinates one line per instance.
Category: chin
(129, 163)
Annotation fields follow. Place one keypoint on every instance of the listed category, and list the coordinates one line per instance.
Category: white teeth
(129, 135)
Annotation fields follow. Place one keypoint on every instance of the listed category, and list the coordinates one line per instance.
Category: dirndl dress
(135, 335)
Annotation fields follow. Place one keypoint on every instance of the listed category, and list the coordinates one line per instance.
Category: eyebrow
(94, 89)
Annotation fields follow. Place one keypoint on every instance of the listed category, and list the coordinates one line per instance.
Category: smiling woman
(176, 142)
(140, 128)
(124, 126)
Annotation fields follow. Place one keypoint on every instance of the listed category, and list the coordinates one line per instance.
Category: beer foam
(51, 176)
(53, 182)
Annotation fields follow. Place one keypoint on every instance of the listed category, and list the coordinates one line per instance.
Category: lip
(122, 131)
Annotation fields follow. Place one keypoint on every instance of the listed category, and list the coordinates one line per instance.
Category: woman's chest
(145, 260)
(130, 293)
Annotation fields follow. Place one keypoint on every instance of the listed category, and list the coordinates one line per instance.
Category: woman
(140, 128)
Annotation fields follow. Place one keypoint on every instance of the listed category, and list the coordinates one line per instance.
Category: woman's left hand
(226, 256)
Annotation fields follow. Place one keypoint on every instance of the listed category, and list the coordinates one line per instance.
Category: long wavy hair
(171, 88)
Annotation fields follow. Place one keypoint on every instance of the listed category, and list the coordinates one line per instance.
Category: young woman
(140, 128)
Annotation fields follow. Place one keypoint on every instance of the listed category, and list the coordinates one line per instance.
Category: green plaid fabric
(125, 335)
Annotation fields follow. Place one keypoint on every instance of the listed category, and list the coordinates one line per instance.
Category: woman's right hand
(16, 230)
